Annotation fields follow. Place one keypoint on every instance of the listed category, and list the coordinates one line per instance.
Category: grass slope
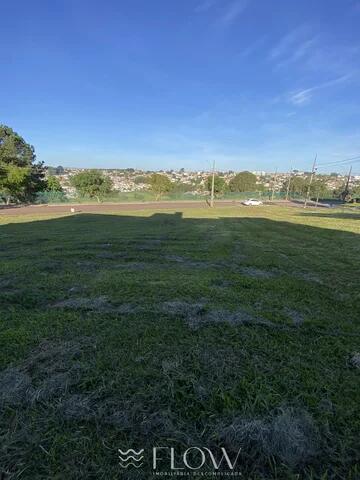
(233, 327)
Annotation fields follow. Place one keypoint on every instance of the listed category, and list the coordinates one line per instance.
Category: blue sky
(253, 84)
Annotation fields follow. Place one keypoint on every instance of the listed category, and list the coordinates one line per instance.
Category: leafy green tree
(53, 184)
(21, 177)
(180, 187)
(356, 190)
(319, 188)
(2, 172)
(219, 185)
(298, 185)
(92, 183)
(243, 182)
(159, 185)
(141, 179)
(338, 191)
(14, 150)
(14, 182)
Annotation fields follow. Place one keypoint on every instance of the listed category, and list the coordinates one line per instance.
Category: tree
(180, 187)
(159, 184)
(356, 190)
(14, 182)
(219, 184)
(20, 178)
(348, 193)
(319, 188)
(141, 179)
(14, 150)
(298, 185)
(91, 183)
(243, 182)
(53, 184)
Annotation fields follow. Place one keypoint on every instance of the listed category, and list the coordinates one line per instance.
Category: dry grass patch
(221, 283)
(48, 372)
(187, 262)
(87, 265)
(197, 315)
(289, 435)
(355, 360)
(15, 387)
(309, 277)
(296, 317)
(77, 407)
(95, 304)
(7, 283)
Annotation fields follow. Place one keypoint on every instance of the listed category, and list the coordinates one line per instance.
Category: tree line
(22, 178)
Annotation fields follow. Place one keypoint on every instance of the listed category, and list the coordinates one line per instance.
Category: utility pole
(311, 179)
(288, 185)
(348, 179)
(346, 192)
(212, 186)
(273, 187)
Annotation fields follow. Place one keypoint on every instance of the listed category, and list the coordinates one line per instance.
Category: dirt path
(123, 207)
(106, 207)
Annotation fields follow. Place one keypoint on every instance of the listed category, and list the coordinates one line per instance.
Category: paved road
(107, 207)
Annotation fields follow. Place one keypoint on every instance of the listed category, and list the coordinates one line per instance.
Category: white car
(251, 202)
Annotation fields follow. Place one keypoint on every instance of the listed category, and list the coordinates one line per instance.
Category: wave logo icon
(131, 457)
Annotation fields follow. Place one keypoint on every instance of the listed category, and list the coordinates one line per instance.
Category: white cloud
(303, 97)
(303, 49)
(288, 44)
(232, 12)
(310, 51)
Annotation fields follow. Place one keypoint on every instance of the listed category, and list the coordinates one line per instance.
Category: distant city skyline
(157, 85)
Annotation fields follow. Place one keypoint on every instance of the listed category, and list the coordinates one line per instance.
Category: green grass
(102, 361)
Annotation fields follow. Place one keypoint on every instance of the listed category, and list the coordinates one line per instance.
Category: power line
(348, 159)
(341, 162)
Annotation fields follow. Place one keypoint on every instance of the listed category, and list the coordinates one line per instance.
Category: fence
(119, 197)
(122, 197)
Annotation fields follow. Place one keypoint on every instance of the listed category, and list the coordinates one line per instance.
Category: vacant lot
(234, 327)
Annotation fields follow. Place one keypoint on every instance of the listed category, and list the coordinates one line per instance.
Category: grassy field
(233, 327)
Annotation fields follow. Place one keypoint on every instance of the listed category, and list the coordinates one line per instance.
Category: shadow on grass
(116, 221)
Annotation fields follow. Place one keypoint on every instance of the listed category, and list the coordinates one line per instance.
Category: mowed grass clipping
(233, 327)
